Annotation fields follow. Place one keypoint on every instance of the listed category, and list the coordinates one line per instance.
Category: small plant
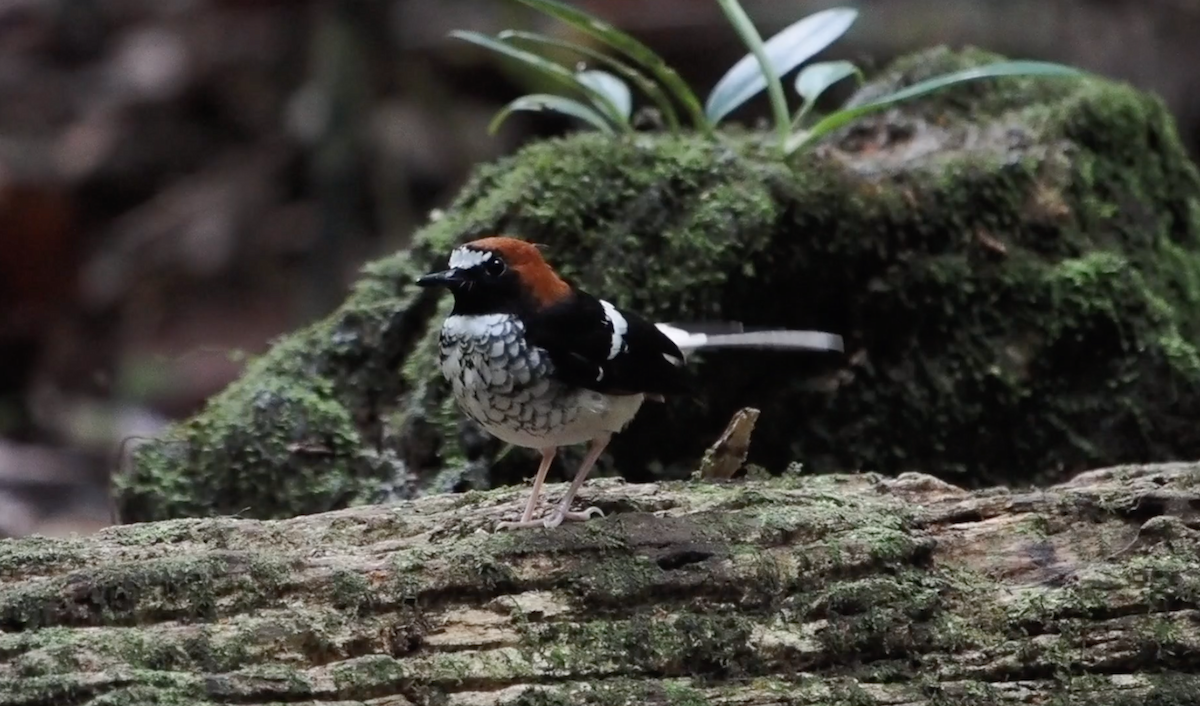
(605, 99)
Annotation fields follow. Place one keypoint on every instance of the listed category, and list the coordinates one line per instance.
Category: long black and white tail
(732, 335)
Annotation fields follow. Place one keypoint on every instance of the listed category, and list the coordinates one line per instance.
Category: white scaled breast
(505, 385)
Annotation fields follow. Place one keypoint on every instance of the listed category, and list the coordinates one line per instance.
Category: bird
(539, 363)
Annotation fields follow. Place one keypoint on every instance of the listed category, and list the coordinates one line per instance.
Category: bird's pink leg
(535, 495)
(563, 511)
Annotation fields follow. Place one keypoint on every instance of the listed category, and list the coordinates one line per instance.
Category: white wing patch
(619, 328)
(464, 258)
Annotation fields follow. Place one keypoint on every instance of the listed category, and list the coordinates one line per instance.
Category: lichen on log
(837, 590)
(1014, 264)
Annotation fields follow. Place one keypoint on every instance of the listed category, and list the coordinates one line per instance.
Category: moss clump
(1014, 264)
(106, 690)
(184, 588)
(39, 554)
(300, 431)
(277, 422)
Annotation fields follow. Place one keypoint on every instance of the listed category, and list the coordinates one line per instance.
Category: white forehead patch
(464, 258)
(619, 327)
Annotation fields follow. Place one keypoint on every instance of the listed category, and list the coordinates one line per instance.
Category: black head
(497, 274)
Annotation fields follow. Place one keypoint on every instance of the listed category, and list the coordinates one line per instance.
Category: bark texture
(842, 590)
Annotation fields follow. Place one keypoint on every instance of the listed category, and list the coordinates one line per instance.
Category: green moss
(1152, 690)
(351, 591)
(678, 694)
(277, 421)
(1014, 264)
(799, 593)
(39, 554)
(290, 436)
(1168, 691)
(880, 619)
(270, 683)
(117, 594)
(534, 696)
(962, 694)
(430, 406)
(1161, 581)
(366, 675)
(708, 646)
(168, 689)
(615, 581)
(616, 692)
(55, 650)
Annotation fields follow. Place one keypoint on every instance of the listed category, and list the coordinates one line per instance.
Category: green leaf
(814, 79)
(538, 102)
(785, 51)
(611, 86)
(1002, 68)
(630, 47)
(629, 73)
(545, 66)
(766, 69)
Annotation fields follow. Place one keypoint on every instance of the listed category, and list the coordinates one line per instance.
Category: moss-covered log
(1015, 266)
(834, 590)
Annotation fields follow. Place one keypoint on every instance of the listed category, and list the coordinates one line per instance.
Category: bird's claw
(554, 519)
(557, 517)
(518, 524)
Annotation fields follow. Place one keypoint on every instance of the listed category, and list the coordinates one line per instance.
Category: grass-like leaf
(630, 47)
(791, 47)
(814, 79)
(652, 90)
(765, 70)
(836, 120)
(537, 102)
(611, 86)
(546, 67)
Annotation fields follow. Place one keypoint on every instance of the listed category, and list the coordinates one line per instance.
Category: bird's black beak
(445, 278)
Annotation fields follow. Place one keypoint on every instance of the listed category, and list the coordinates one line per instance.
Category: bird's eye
(494, 267)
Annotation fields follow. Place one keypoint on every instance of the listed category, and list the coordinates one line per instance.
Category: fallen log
(833, 589)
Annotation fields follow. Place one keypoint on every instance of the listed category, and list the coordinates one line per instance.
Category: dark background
(183, 180)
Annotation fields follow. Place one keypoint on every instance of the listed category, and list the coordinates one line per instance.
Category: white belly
(504, 385)
(590, 415)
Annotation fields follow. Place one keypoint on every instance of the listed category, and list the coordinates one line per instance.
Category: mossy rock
(1013, 264)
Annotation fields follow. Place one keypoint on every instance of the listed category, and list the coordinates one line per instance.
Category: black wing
(578, 335)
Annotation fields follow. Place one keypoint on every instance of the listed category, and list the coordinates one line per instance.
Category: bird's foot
(518, 524)
(554, 519)
(558, 517)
